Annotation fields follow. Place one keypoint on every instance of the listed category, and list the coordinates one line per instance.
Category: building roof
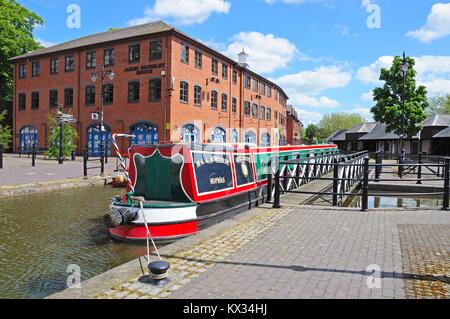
(379, 133)
(333, 137)
(437, 120)
(340, 137)
(102, 37)
(128, 33)
(361, 128)
(443, 134)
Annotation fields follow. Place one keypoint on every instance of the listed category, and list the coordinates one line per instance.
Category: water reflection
(399, 202)
(40, 235)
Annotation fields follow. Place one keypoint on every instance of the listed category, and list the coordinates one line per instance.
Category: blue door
(93, 140)
(145, 134)
(28, 138)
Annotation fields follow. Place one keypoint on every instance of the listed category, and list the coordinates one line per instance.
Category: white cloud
(183, 12)
(311, 101)
(267, 52)
(432, 71)
(367, 97)
(363, 111)
(308, 117)
(370, 74)
(328, 3)
(44, 43)
(316, 81)
(437, 25)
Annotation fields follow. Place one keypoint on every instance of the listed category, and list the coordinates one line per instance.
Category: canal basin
(41, 235)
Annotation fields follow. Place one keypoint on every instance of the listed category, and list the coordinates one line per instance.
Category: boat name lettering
(217, 180)
(211, 159)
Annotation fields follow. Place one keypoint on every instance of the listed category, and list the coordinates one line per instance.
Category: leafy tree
(389, 106)
(16, 38)
(439, 105)
(311, 133)
(333, 122)
(70, 136)
(5, 132)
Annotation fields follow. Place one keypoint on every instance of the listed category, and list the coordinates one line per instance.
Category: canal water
(42, 235)
(399, 202)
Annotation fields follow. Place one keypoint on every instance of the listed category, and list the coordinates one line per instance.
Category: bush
(70, 136)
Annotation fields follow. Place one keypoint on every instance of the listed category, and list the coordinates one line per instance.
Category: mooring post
(102, 159)
(85, 160)
(276, 202)
(335, 181)
(446, 184)
(269, 181)
(1, 156)
(365, 187)
(419, 170)
(33, 155)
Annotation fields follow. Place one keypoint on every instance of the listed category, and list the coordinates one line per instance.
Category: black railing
(1, 156)
(351, 172)
(87, 160)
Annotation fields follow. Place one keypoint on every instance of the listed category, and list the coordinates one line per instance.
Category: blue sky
(322, 52)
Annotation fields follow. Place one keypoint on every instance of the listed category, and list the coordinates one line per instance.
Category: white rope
(148, 234)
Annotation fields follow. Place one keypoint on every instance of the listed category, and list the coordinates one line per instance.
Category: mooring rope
(121, 159)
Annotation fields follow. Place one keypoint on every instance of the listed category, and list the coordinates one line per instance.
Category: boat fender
(120, 216)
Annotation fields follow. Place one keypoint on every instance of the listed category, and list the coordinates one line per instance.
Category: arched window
(190, 134)
(250, 137)
(28, 138)
(145, 133)
(234, 136)
(218, 135)
(265, 139)
(94, 137)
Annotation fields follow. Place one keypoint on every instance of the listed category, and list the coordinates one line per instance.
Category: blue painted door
(28, 137)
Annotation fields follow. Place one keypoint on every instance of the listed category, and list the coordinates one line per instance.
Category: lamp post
(102, 75)
(403, 72)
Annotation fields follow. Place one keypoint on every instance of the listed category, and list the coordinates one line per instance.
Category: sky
(326, 54)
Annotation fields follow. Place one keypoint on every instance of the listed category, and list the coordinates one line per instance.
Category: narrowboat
(188, 187)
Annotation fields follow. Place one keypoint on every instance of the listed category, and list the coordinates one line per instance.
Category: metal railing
(351, 172)
(87, 160)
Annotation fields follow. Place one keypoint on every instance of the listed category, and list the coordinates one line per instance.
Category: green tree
(5, 132)
(333, 122)
(439, 105)
(16, 38)
(389, 106)
(70, 136)
(311, 133)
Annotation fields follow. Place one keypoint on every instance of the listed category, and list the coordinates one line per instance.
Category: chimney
(243, 59)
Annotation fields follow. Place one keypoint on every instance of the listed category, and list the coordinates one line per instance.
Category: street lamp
(102, 75)
(404, 67)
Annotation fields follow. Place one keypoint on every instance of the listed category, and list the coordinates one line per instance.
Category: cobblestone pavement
(426, 257)
(307, 252)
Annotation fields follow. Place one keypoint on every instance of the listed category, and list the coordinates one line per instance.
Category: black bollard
(85, 160)
(73, 156)
(1, 156)
(446, 201)
(33, 155)
(158, 270)
(365, 186)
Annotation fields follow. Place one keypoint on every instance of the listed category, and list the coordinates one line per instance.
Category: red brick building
(167, 87)
(293, 126)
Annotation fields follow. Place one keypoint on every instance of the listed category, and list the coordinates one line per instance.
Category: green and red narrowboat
(188, 187)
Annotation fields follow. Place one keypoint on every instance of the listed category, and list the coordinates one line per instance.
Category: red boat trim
(158, 232)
